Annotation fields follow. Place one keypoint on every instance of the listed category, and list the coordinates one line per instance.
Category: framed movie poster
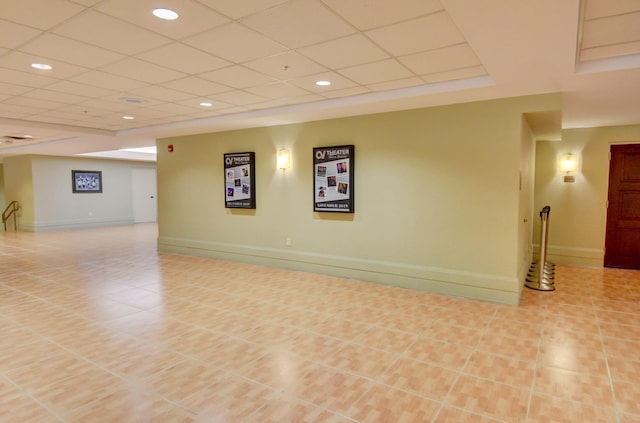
(333, 179)
(240, 180)
(86, 181)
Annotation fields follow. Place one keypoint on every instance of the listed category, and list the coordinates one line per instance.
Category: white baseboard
(63, 225)
(495, 288)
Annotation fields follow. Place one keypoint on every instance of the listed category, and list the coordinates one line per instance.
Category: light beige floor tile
(493, 399)
(501, 369)
(382, 404)
(331, 389)
(421, 378)
(284, 408)
(445, 354)
(546, 409)
(117, 329)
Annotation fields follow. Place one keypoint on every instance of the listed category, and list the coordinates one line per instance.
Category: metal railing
(11, 210)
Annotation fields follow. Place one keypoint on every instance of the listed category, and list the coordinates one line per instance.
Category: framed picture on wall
(86, 181)
(240, 180)
(333, 178)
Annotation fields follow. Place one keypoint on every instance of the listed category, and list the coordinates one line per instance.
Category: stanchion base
(540, 286)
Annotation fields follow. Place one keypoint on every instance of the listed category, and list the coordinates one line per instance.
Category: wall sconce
(568, 164)
(284, 159)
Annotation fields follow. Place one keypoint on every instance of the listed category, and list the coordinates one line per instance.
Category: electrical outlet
(288, 242)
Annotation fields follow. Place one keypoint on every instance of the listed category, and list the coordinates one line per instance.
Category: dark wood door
(622, 244)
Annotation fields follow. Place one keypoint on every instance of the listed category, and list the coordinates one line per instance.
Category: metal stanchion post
(542, 273)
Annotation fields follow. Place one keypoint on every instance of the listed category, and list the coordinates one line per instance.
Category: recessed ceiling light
(206, 104)
(166, 14)
(41, 66)
(323, 83)
(128, 117)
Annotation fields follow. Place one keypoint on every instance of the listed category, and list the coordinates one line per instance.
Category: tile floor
(96, 326)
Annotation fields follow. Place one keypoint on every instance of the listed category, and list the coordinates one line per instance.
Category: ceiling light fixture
(206, 104)
(41, 66)
(128, 117)
(166, 14)
(323, 83)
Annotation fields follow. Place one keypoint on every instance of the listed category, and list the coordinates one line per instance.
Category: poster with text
(240, 181)
(333, 179)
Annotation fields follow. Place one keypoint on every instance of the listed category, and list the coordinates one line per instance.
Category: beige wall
(42, 185)
(577, 220)
(3, 203)
(18, 182)
(438, 200)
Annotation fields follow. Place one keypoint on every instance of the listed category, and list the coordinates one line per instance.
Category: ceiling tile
(238, 9)
(444, 59)
(13, 35)
(246, 45)
(397, 84)
(299, 23)
(80, 89)
(183, 58)
(277, 90)
(426, 33)
(470, 72)
(286, 66)
(237, 77)
(175, 109)
(19, 61)
(160, 93)
(28, 79)
(13, 89)
(197, 86)
(16, 109)
(614, 50)
(109, 81)
(601, 8)
(345, 52)
(35, 103)
(143, 71)
(66, 98)
(613, 30)
(104, 104)
(110, 33)
(367, 14)
(372, 73)
(26, 12)
(239, 98)
(70, 51)
(194, 17)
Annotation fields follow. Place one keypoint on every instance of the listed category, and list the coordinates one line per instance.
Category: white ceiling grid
(238, 55)
(113, 58)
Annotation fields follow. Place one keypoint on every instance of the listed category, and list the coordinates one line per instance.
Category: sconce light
(284, 159)
(568, 164)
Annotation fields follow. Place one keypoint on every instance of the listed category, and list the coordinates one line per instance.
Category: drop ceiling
(255, 62)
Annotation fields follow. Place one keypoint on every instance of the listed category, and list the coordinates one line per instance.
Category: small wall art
(86, 181)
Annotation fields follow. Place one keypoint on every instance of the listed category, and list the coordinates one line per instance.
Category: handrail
(12, 209)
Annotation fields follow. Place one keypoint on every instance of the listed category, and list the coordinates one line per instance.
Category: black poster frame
(240, 180)
(86, 181)
(333, 179)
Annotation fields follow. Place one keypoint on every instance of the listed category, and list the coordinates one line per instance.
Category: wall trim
(574, 256)
(495, 288)
(63, 225)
